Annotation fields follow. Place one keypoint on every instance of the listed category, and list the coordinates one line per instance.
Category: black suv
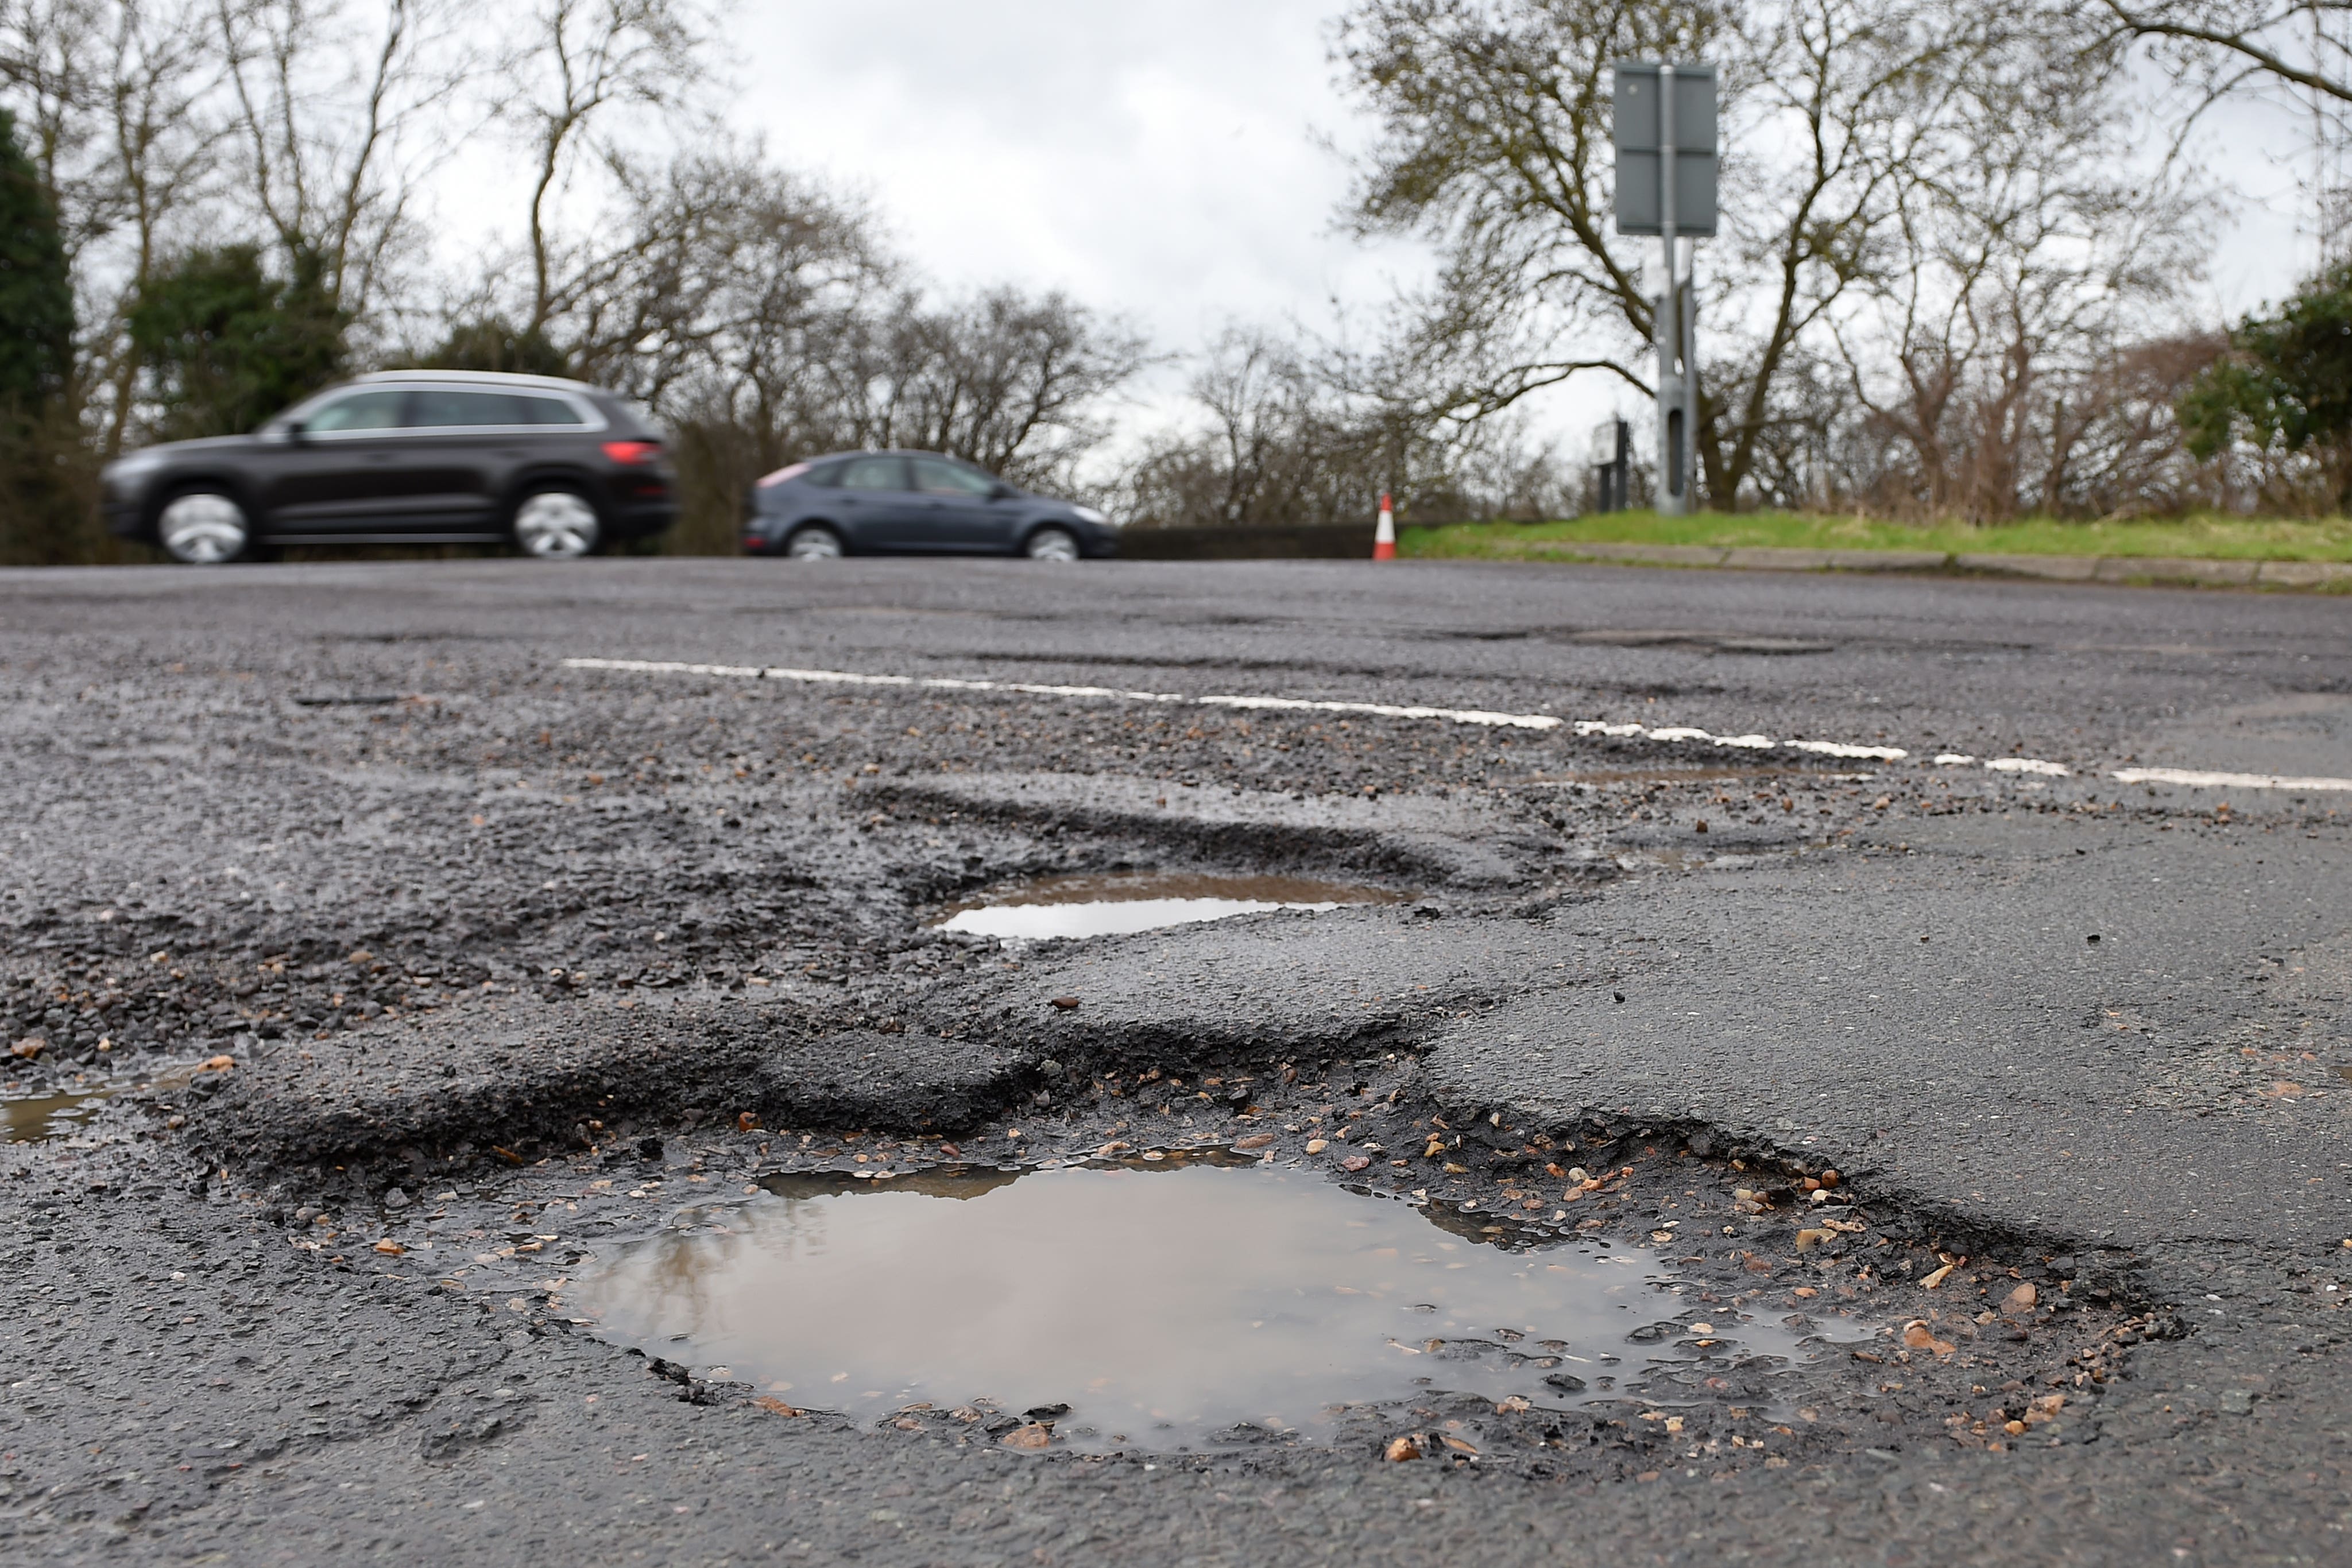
(916, 503)
(556, 467)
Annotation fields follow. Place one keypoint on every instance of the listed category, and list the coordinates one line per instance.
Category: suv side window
(545, 411)
(874, 474)
(438, 408)
(938, 476)
(364, 411)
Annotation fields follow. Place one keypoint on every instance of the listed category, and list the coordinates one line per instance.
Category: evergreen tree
(490, 344)
(2287, 379)
(42, 517)
(225, 345)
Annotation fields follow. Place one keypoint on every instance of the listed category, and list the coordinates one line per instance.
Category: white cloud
(1159, 162)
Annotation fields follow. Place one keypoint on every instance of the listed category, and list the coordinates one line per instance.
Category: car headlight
(1090, 515)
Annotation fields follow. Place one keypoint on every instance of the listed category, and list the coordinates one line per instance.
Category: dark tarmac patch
(1156, 1303)
(1114, 902)
(1467, 841)
(1698, 642)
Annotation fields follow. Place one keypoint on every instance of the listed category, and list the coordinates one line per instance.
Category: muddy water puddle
(61, 1112)
(32, 1118)
(1163, 1304)
(1115, 903)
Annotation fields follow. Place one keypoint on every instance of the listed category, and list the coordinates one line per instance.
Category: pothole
(1115, 902)
(59, 1113)
(1161, 1304)
(31, 1118)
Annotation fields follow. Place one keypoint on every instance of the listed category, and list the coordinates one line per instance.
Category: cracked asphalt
(408, 971)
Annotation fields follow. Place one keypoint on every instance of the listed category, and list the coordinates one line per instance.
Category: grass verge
(2209, 536)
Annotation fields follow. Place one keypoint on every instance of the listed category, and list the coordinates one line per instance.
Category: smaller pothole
(59, 1113)
(33, 1118)
(1112, 904)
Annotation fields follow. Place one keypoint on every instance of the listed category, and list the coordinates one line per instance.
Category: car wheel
(814, 542)
(1052, 544)
(556, 524)
(204, 528)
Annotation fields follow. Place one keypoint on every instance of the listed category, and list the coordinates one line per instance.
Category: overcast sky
(1170, 163)
(1158, 160)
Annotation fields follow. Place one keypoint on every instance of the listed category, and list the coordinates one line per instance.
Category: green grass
(2209, 536)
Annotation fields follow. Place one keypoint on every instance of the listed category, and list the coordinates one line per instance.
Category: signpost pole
(1672, 499)
(1664, 133)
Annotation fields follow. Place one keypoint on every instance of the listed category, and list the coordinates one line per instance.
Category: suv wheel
(204, 528)
(814, 542)
(1052, 544)
(556, 524)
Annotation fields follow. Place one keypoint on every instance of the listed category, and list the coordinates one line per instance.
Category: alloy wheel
(556, 524)
(1051, 544)
(814, 544)
(205, 528)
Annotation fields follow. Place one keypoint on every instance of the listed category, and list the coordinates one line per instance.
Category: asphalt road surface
(1956, 966)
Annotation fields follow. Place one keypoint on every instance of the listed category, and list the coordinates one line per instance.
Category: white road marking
(1668, 734)
(1839, 749)
(2197, 780)
(1383, 710)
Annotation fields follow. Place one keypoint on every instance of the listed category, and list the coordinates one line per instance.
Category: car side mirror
(1003, 491)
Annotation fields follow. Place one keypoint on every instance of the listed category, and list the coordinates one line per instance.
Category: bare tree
(2305, 43)
(2295, 54)
(1013, 383)
(1495, 145)
(1283, 438)
(568, 66)
(342, 108)
(120, 99)
(2024, 248)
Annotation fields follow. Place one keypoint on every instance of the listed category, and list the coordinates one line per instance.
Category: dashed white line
(1028, 688)
(1384, 710)
(2194, 779)
(1839, 749)
(1669, 734)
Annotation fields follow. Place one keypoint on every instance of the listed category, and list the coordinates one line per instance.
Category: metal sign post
(1664, 136)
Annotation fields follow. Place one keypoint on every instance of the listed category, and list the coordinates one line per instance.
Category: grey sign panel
(1636, 129)
(1638, 143)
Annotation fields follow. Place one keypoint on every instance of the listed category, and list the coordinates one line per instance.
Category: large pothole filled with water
(1112, 904)
(1158, 1306)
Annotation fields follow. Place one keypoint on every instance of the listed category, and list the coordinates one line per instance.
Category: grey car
(557, 468)
(913, 503)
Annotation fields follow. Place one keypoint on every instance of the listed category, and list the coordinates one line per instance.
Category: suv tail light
(633, 451)
(780, 475)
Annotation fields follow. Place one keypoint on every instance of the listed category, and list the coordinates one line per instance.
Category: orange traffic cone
(1384, 537)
